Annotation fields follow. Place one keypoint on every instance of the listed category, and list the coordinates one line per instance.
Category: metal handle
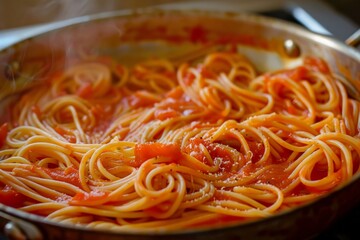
(17, 229)
(354, 39)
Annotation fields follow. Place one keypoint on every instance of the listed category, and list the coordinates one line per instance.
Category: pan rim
(158, 11)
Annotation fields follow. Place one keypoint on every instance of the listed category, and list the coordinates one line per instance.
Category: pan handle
(17, 229)
(354, 39)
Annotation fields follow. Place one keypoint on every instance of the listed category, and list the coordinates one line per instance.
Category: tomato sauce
(35, 109)
(317, 64)
(297, 74)
(138, 100)
(70, 138)
(198, 34)
(12, 198)
(93, 198)
(3, 134)
(69, 175)
(276, 175)
(257, 149)
(85, 91)
(226, 155)
(146, 151)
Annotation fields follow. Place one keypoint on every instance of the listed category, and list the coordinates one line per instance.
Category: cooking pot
(179, 36)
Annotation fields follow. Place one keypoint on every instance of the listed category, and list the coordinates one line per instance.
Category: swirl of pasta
(166, 147)
(156, 76)
(86, 80)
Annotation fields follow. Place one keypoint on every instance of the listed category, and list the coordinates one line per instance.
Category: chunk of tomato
(12, 198)
(147, 151)
(93, 198)
(85, 91)
(69, 175)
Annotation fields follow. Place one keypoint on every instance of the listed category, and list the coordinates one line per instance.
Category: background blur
(18, 13)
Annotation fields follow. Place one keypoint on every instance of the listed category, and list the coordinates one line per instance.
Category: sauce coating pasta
(165, 147)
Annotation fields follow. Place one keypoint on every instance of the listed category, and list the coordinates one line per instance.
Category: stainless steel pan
(129, 37)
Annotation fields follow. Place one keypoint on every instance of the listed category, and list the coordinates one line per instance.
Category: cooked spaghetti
(163, 147)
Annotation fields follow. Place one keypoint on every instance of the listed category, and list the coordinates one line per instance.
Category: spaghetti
(162, 147)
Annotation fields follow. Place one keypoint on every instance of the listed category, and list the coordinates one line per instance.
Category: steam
(55, 10)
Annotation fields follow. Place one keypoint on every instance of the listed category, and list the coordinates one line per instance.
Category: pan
(130, 37)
